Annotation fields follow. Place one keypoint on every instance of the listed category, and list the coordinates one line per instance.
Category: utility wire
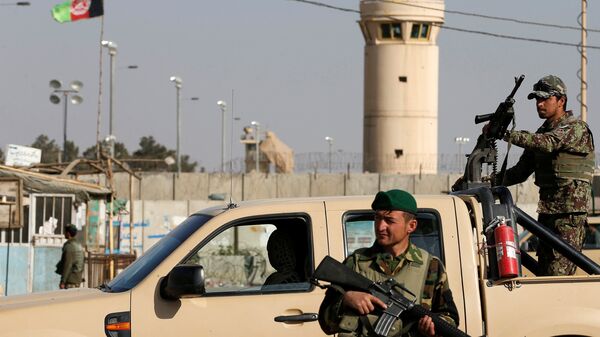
(578, 45)
(503, 36)
(499, 18)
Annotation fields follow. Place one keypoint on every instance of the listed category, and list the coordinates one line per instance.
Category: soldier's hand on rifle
(426, 326)
(363, 303)
(485, 128)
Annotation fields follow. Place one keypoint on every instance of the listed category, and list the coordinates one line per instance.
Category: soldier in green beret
(352, 313)
(561, 154)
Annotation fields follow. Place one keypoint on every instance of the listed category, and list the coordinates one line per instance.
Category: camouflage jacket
(436, 294)
(567, 134)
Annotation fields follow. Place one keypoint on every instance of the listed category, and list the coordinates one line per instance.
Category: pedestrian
(392, 255)
(70, 266)
(561, 154)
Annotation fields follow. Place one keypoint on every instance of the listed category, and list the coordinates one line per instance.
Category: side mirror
(185, 280)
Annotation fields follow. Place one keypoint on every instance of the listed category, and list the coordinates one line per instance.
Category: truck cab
(245, 270)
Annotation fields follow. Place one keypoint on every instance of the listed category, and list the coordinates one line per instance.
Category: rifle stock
(335, 272)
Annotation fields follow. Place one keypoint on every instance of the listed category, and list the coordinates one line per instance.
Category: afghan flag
(74, 10)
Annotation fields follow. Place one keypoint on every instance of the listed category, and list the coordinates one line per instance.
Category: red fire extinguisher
(506, 251)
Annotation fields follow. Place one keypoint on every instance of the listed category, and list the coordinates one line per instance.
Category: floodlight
(55, 99)
(76, 99)
(222, 104)
(55, 84)
(76, 85)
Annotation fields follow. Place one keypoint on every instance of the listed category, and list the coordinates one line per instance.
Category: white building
(401, 85)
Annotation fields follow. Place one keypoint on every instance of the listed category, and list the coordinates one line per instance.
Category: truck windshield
(139, 269)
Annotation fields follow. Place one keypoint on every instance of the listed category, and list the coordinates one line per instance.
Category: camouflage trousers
(571, 228)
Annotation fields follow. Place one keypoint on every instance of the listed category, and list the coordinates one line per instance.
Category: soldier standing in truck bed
(561, 154)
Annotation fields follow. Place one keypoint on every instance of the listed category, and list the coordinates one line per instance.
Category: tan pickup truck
(244, 270)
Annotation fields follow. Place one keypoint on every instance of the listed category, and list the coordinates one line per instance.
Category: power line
(516, 37)
(491, 17)
(320, 4)
(503, 36)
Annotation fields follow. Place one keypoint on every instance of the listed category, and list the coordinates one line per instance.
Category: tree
(71, 152)
(121, 151)
(1, 156)
(50, 150)
(186, 166)
(156, 154)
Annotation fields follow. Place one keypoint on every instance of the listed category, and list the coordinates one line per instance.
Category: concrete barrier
(157, 186)
(259, 186)
(292, 185)
(362, 184)
(191, 186)
(327, 184)
(225, 184)
(392, 181)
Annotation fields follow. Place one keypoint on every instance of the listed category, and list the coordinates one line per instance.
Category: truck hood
(45, 298)
(72, 312)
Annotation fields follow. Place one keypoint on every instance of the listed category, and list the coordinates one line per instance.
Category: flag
(73, 10)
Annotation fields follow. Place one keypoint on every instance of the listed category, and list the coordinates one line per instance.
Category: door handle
(308, 317)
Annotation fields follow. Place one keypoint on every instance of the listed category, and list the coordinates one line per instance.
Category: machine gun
(389, 292)
(485, 151)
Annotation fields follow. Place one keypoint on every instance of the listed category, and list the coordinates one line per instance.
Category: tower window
(420, 31)
(391, 31)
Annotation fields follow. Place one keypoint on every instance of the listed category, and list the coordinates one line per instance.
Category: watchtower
(401, 85)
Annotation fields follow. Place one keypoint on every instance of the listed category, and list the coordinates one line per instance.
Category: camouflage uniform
(435, 295)
(564, 190)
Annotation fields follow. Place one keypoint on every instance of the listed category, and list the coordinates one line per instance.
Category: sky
(295, 68)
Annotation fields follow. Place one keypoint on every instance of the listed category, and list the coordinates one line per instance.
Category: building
(401, 85)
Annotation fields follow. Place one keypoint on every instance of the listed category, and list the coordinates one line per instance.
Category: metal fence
(318, 162)
(98, 266)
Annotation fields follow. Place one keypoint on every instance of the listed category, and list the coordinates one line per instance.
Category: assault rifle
(389, 292)
(485, 151)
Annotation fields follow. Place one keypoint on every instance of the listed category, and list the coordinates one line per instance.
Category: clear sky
(294, 67)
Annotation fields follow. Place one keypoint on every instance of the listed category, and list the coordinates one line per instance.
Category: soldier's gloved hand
(457, 184)
(363, 303)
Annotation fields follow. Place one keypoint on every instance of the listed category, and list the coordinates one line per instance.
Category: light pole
(223, 106)
(330, 141)
(460, 141)
(112, 51)
(177, 81)
(75, 99)
(257, 141)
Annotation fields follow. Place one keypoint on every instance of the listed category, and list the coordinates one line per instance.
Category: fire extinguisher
(506, 251)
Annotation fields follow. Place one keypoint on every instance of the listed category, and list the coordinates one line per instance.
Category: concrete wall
(205, 186)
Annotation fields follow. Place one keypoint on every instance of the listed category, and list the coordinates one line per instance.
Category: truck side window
(258, 255)
(359, 232)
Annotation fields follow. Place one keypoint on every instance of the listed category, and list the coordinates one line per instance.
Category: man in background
(70, 266)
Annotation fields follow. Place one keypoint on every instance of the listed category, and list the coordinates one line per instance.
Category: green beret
(395, 200)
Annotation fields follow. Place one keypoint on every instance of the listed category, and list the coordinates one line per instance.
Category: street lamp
(223, 106)
(460, 141)
(257, 141)
(75, 99)
(112, 51)
(177, 81)
(330, 141)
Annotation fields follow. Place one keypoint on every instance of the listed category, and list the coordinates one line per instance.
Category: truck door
(257, 271)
